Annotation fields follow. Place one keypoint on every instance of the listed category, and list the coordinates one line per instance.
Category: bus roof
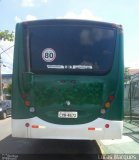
(71, 21)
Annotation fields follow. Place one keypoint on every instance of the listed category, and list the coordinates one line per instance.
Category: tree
(6, 35)
(9, 36)
(8, 91)
(127, 76)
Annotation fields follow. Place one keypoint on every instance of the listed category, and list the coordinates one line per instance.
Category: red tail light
(27, 103)
(111, 98)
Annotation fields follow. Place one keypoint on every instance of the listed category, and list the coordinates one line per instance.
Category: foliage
(9, 89)
(127, 76)
(6, 35)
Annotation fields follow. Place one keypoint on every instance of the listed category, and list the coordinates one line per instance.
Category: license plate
(62, 114)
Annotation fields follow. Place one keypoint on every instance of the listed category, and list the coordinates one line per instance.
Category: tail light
(103, 111)
(107, 105)
(111, 98)
(27, 103)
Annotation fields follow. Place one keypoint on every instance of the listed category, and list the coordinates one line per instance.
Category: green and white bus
(68, 80)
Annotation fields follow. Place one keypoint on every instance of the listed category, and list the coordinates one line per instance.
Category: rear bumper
(94, 130)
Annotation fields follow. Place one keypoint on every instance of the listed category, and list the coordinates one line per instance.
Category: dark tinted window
(71, 49)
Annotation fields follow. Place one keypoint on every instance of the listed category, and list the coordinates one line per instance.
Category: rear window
(71, 49)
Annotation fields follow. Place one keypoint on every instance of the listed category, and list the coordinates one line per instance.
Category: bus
(68, 80)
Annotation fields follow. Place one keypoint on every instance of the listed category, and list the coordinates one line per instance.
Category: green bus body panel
(48, 94)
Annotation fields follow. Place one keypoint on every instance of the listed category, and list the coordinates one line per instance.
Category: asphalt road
(37, 149)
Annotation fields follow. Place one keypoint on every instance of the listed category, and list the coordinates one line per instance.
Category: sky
(124, 12)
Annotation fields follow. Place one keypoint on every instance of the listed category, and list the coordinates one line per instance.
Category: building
(133, 71)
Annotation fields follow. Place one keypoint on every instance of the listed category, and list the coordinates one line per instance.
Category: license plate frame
(68, 114)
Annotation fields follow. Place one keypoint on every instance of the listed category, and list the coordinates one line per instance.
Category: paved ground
(129, 144)
(5, 128)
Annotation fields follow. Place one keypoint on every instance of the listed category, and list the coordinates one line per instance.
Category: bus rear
(68, 80)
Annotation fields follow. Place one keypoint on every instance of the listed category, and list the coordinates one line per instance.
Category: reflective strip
(94, 129)
(42, 127)
(36, 126)
(98, 129)
(91, 129)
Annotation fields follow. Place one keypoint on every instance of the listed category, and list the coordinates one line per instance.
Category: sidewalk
(129, 144)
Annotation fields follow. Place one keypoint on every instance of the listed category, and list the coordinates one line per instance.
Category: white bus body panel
(94, 130)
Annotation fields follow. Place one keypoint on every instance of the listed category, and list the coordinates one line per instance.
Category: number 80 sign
(48, 55)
